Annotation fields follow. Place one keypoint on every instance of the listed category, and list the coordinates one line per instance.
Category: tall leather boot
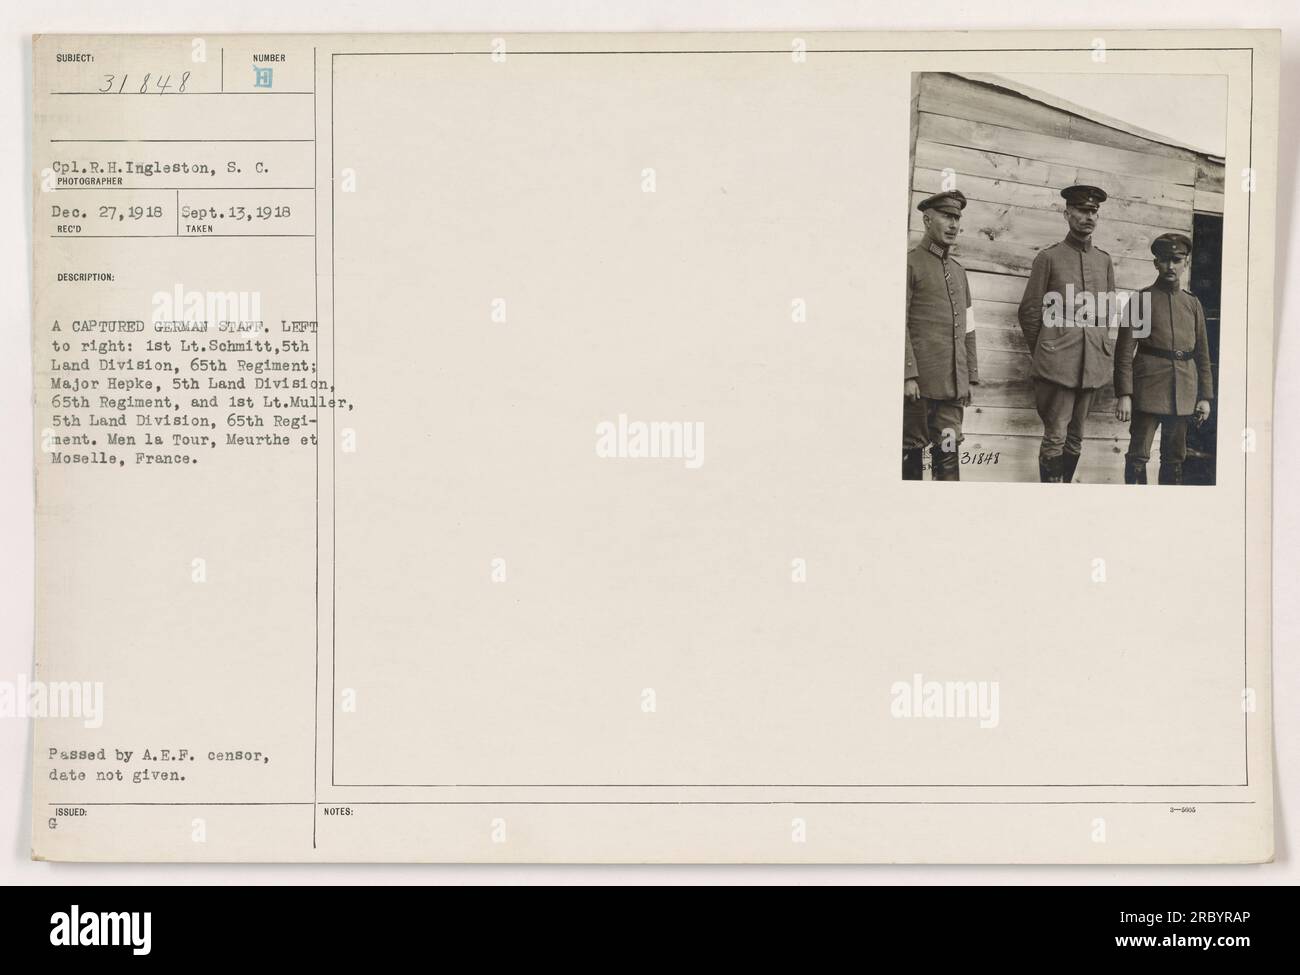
(913, 463)
(1135, 471)
(1049, 470)
(1069, 462)
(945, 465)
(1171, 473)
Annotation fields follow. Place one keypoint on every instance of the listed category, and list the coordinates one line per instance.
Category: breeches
(1173, 437)
(1063, 411)
(932, 421)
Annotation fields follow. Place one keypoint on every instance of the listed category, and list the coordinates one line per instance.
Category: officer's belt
(1177, 354)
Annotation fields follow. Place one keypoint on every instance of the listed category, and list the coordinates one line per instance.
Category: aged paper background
(521, 702)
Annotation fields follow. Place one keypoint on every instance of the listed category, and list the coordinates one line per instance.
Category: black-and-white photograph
(448, 446)
(1063, 278)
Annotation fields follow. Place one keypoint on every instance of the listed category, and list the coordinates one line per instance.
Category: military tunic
(941, 352)
(1170, 372)
(1167, 377)
(1071, 356)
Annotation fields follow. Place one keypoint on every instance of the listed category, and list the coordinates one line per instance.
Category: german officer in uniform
(939, 365)
(1073, 354)
(1169, 380)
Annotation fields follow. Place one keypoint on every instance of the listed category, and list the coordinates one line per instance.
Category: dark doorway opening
(1205, 282)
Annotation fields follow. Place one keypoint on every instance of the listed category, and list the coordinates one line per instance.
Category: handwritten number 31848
(115, 85)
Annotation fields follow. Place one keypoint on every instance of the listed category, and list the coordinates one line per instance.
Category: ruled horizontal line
(486, 52)
(167, 236)
(181, 189)
(181, 94)
(702, 802)
(791, 785)
(183, 140)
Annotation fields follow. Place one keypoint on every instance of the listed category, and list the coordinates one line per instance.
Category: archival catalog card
(524, 448)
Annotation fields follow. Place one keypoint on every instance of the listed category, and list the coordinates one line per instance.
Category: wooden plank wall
(1011, 156)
